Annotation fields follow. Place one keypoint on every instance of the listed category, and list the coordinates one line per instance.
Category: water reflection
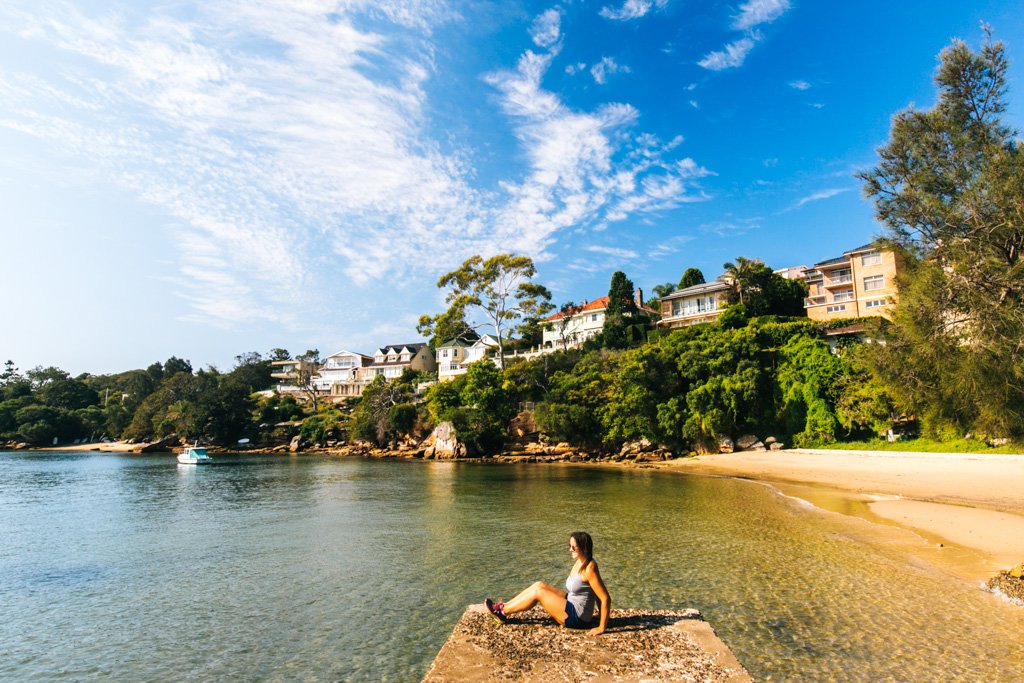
(356, 570)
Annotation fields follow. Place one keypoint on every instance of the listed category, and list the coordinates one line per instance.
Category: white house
(582, 325)
(340, 368)
(454, 357)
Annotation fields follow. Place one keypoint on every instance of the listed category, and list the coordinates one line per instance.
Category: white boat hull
(194, 456)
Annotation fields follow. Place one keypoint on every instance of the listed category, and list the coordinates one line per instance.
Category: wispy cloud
(617, 252)
(799, 85)
(757, 12)
(752, 14)
(268, 157)
(585, 170)
(631, 9)
(547, 28)
(290, 145)
(818, 196)
(606, 66)
(731, 56)
(669, 246)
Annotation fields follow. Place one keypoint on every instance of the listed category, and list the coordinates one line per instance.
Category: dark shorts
(572, 620)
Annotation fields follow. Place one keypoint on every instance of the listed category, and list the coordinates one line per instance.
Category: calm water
(285, 569)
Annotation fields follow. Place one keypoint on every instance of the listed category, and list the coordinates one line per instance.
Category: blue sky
(204, 179)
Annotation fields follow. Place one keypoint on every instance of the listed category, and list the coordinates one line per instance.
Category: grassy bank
(927, 446)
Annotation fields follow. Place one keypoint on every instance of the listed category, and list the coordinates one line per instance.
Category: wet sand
(961, 501)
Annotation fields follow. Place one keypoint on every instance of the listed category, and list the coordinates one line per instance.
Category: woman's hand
(596, 631)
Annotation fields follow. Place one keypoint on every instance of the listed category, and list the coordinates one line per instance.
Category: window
(836, 309)
(406, 358)
(701, 304)
(872, 259)
(845, 295)
(840, 276)
(874, 282)
(593, 317)
(874, 303)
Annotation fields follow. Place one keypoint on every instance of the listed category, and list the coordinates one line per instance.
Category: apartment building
(860, 283)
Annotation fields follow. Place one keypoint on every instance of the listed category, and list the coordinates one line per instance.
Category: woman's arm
(593, 577)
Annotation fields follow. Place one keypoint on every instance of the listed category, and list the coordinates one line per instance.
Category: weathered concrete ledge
(639, 645)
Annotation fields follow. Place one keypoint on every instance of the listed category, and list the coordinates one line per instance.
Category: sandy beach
(101, 446)
(967, 501)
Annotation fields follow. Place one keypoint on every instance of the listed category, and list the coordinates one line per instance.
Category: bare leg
(550, 598)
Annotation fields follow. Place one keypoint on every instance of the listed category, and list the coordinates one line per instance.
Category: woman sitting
(575, 606)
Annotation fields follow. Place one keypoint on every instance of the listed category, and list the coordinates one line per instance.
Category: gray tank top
(582, 597)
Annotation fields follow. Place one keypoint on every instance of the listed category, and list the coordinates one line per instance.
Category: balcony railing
(814, 301)
(841, 280)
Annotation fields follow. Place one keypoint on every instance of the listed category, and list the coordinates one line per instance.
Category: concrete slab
(648, 646)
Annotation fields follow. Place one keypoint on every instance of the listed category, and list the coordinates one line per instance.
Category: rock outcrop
(160, 446)
(443, 444)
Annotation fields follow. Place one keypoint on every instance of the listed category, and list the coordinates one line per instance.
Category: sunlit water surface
(267, 568)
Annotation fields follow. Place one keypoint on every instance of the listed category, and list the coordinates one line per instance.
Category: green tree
(10, 373)
(949, 188)
(761, 291)
(68, 393)
(809, 377)
(445, 327)
(40, 376)
(43, 425)
(740, 274)
(575, 404)
(663, 290)
(278, 354)
(174, 365)
(372, 417)
(623, 325)
(500, 289)
(563, 322)
(306, 375)
(692, 276)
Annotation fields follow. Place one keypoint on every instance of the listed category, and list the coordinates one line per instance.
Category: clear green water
(292, 569)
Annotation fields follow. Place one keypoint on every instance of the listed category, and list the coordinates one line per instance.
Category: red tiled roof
(598, 304)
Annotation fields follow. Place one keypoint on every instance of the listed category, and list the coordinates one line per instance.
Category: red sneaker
(496, 610)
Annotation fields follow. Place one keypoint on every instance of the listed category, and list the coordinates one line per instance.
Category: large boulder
(725, 445)
(633, 448)
(443, 443)
(159, 446)
(296, 445)
(523, 430)
(747, 441)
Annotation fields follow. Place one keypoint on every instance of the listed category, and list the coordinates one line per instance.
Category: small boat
(194, 455)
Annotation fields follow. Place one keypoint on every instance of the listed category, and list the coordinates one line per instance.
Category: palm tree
(739, 275)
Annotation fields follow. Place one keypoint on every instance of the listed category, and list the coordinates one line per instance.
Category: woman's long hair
(584, 544)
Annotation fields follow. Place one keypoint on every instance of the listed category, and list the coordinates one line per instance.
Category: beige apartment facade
(860, 283)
